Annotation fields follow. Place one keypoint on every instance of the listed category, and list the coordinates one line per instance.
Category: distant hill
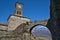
(41, 32)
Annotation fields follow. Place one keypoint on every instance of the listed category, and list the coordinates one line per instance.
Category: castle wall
(2, 27)
(14, 35)
(14, 22)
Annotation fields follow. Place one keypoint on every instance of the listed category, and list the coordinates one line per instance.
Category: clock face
(19, 6)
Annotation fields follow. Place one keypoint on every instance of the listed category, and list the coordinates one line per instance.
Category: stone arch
(34, 27)
(38, 22)
(28, 27)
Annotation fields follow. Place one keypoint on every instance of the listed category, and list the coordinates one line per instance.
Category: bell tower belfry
(18, 9)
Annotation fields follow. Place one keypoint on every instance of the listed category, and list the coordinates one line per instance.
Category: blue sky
(34, 9)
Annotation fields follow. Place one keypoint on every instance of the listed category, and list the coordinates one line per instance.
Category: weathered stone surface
(14, 22)
(54, 22)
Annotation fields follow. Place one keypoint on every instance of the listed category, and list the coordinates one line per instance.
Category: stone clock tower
(18, 10)
(17, 19)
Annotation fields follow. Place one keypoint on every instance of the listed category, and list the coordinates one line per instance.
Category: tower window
(18, 12)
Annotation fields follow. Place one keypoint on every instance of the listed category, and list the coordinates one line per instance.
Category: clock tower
(18, 9)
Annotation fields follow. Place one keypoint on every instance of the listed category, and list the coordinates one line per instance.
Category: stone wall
(13, 35)
(15, 21)
(20, 33)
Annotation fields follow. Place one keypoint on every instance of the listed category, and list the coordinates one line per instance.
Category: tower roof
(19, 3)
